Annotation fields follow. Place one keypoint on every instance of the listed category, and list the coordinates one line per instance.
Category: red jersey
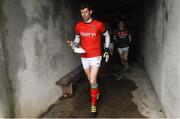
(122, 38)
(90, 34)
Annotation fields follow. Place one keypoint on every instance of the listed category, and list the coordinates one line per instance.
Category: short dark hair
(85, 5)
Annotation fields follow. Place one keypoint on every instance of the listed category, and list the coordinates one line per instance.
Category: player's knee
(126, 59)
(92, 82)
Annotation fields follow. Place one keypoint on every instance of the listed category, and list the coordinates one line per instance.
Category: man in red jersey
(88, 35)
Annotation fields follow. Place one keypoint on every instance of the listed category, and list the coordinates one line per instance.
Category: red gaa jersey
(122, 38)
(90, 34)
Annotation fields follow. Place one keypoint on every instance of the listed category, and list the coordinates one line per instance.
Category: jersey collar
(89, 21)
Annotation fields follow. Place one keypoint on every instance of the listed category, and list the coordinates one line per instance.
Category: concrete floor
(128, 96)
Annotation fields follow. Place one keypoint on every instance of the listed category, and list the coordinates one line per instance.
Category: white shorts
(93, 61)
(123, 50)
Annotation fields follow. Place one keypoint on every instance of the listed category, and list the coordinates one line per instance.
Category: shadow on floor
(115, 97)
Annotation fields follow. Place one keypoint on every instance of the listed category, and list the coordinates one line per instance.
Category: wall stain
(166, 13)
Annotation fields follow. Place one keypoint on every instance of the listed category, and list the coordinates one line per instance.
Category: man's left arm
(107, 42)
(107, 39)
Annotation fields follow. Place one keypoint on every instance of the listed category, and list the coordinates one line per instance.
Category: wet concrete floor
(122, 95)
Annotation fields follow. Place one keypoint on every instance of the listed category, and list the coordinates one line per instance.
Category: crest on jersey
(93, 26)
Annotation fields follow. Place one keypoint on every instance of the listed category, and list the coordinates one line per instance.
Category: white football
(79, 50)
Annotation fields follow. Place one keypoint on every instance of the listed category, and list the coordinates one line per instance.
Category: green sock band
(94, 86)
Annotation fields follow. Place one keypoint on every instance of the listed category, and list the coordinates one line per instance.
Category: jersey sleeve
(102, 28)
(77, 29)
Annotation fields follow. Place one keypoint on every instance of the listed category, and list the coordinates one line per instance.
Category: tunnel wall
(37, 52)
(5, 92)
(160, 49)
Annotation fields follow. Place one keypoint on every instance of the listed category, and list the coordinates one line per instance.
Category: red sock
(93, 96)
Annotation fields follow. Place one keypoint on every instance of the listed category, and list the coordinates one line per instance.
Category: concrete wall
(38, 55)
(160, 46)
(6, 106)
(171, 95)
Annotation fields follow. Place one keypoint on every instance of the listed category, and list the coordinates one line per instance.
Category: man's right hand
(76, 47)
(69, 42)
(73, 44)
